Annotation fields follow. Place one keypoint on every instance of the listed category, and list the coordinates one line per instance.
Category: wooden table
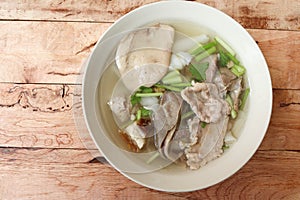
(42, 47)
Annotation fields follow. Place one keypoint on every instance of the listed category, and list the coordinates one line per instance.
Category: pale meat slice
(205, 102)
(209, 146)
(143, 56)
(166, 117)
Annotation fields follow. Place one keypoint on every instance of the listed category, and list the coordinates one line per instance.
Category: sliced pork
(165, 118)
(143, 56)
(209, 146)
(205, 102)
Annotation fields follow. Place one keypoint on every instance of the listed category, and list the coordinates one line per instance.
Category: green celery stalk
(244, 98)
(203, 124)
(205, 54)
(181, 84)
(169, 87)
(233, 113)
(238, 70)
(200, 48)
(186, 115)
(225, 45)
(156, 94)
(138, 115)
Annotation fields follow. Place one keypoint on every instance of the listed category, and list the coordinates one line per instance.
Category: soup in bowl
(174, 101)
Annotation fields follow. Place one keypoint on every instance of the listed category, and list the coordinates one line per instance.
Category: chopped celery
(181, 84)
(144, 89)
(186, 115)
(138, 115)
(203, 124)
(229, 100)
(145, 112)
(225, 45)
(233, 58)
(223, 60)
(225, 146)
(200, 48)
(206, 53)
(233, 113)
(169, 87)
(172, 77)
(153, 157)
(156, 94)
(135, 100)
(198, 70)
(227, 60)
(244, 98)
(238, 70)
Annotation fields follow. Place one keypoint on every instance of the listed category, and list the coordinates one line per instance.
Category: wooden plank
(268, 14)
(48, 52)
(281, 50)
(67, 10)
(46, 155)
(268, 175)
(264, 14)
(39, 52)
(284, 128)
(43, 116)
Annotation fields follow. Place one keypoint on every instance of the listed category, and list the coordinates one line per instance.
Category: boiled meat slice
(205, 102)
(166, 117)
(143, 56)
(209, 146)
(235, 92)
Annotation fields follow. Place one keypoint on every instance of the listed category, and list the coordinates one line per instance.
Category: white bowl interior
(257, 114)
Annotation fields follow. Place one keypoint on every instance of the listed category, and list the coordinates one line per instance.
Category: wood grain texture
(264, 14)
(53, 52)
(281, 50)
(37, 115)
(275, 177)
(268, 14)
(42, 116)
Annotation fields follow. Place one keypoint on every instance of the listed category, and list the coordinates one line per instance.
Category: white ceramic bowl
(259, 105)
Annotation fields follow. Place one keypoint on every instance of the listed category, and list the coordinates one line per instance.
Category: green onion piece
(203, 124)
(244, 98)
(181, 84)
(168, 87)
(225, 146)
(206, 53)
(145, 112)
(187, 114)
(229, 100)
(238, 70)
(153, 157)
(134, 100)
(144, 89)
(223, 60)
(200, 48)
(138, 115)
(149, 94)
(233, 113)
(225, 45)
(233, 58)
